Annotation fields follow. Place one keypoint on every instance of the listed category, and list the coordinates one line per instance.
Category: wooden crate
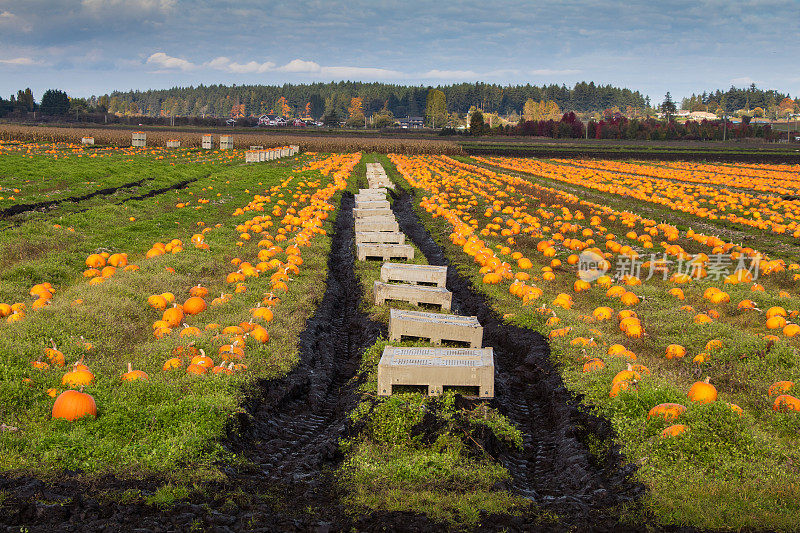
(437, 368)
(413, 294)
(385, 251)
(383, 237)
(435, 326)
(415, 274)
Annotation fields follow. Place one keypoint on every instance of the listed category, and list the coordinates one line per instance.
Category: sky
(92, 47)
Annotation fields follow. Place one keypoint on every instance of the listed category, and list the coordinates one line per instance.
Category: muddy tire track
(297, 425)
(43, 206)
(555, 468)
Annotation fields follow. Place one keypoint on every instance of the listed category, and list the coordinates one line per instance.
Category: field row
(689, 343)
(163, 311)
(699, 197)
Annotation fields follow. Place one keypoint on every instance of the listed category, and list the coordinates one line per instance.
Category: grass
(442, 472)
(173, 424)
(727, 471)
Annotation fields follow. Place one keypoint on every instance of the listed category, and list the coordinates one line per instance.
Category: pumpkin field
(189, 344)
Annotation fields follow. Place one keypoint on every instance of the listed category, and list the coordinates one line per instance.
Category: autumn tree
(355, 113)
(356, 108)
(542, 110)
(282, 107)
(530, 109)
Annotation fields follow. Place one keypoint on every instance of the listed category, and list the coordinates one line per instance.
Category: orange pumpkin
(675, 351)
(194, 305)
(703, 392)
(72, 405)
(78, 377)
(674, 430)
(667, 411)
(780, 387)
(133, 375)
(173, 316)
(593, 364)
(785, 403)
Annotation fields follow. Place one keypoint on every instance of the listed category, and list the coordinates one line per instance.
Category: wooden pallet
(382, 237)
(385, 251)
(377, 224)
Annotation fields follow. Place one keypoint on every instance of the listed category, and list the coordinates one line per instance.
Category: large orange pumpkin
(784, 402)
(72, 405)
(703, 392)
(194, 305)
(173, 316)
(673, 430)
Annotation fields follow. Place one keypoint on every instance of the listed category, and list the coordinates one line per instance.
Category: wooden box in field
(139, 139)
(208, 142)
(435, 326)
(87, 141)
(226, 142)
(252, 156)
(173, 144)
(437, 368)
(413, 294)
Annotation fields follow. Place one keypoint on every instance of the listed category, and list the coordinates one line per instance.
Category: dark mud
(555, 470)
(162, 190)
(43, 206)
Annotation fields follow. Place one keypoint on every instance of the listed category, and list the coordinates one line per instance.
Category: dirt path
(555, 468)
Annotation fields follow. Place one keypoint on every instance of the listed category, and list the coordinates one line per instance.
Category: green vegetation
(423, 454)
(172, 424)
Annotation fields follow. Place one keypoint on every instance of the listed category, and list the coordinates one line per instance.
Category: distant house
(410, 122)
(701, 115)
(271, 120)
(230, 122)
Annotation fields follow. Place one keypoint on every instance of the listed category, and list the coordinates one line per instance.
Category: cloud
(22, 61)
(166, 62)
(163, 61)
(97, 6)
(554, 72)
(223, 63)
(298, 65)
(360, 72)
(10, 21)
(744, 80)
(451, 74)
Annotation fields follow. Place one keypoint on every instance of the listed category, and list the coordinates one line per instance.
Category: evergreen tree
(668, 106)
(55, 102)
(476, 124)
